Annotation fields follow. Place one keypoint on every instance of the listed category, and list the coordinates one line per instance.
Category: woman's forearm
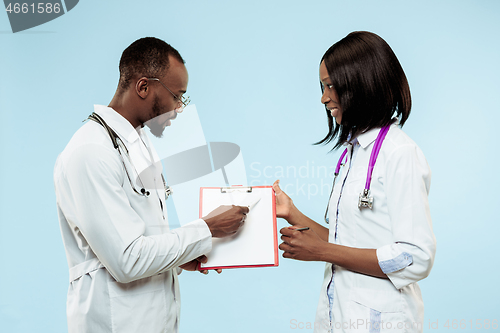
(363, 261)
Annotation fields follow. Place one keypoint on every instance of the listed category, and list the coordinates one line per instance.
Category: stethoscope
(117, 142)
(365, 199)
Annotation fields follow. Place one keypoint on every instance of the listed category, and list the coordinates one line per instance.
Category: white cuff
(199, 230)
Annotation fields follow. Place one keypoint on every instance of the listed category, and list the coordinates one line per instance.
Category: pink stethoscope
(365, 200)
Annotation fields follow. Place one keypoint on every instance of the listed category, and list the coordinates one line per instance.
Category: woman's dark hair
(370, 83)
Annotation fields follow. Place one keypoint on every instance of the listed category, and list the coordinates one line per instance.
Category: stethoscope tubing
(374, 155)
(114, 139)
(373, 159)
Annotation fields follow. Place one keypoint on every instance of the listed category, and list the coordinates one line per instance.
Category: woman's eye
(330, 86)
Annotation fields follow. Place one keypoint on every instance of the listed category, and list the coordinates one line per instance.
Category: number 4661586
(24, 8)
(479, 324)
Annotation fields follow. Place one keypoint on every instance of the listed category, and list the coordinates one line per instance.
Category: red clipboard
(256, 243)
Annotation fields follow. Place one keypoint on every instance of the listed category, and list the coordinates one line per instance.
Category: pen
(301, 229)
(252, 204)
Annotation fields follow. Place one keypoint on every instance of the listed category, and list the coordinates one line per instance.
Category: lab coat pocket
(138, 306)
(375, 311)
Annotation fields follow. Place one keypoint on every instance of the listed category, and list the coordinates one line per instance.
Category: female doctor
(380, 240)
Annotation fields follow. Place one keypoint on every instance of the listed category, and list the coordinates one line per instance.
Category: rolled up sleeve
(411, 256)
(391, 263)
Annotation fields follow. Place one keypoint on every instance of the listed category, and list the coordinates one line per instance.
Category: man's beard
(154, 124)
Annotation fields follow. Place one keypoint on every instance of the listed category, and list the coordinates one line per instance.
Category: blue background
(254, 79)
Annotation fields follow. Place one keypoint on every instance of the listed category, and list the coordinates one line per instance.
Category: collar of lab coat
(365, 139)
(117, 122)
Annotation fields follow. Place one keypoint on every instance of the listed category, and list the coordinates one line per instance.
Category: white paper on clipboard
(256, 243)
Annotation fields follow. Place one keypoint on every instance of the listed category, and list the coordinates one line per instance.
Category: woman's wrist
(326, 252)
(293, 215)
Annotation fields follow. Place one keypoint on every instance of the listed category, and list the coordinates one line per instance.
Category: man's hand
(193, 265)
(226, 220)
(301, 245)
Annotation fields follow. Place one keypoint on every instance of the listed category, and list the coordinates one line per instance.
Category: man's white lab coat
(123, 259)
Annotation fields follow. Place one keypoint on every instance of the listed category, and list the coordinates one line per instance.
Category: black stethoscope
(365, 199)
(117, 142)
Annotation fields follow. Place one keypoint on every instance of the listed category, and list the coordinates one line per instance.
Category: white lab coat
(399, 226)
(123, 259)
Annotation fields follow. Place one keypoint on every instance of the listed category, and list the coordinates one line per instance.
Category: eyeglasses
(182, 101)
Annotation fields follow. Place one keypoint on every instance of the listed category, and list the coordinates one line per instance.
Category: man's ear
(142, 87)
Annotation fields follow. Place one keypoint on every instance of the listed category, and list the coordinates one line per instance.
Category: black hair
(370, 83)
(145, 57)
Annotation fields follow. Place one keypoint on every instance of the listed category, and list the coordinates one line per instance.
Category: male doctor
(123, 259)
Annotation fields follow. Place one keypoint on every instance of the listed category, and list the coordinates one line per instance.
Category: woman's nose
(324, 98)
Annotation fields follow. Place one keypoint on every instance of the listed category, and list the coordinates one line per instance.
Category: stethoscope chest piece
(365, 200)
(168, 191)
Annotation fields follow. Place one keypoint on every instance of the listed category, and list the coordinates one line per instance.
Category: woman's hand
(308, 246)
(302, 245)
(284, 204)
(193, 265)
(287, 210)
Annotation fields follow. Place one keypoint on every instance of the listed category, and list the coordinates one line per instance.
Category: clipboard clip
(229, 189)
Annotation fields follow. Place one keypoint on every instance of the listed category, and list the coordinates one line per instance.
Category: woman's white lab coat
(399, 226)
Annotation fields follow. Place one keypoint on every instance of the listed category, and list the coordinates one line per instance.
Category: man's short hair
(146, 57)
